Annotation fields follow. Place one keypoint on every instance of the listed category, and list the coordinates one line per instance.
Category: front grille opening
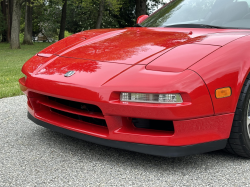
(153, 124)
(96, 121)
(77, 105)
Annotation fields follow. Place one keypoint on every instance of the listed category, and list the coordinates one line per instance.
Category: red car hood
(161, 49)
(141, 45)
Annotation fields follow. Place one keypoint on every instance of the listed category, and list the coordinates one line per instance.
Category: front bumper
(193, 121)
(166, 151)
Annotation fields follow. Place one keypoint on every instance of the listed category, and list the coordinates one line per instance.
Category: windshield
(202, 13)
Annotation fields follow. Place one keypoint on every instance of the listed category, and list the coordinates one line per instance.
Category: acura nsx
(175, 84)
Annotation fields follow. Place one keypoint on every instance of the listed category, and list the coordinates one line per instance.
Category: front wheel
(239, 140)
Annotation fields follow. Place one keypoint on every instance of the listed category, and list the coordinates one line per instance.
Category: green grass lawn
(11, 62)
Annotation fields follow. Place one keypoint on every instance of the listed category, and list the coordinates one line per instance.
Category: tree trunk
(141, 7)
(63, 20)
(100, 15)
(28, 23)
(15, 28)
(4, 33)
(9, 19)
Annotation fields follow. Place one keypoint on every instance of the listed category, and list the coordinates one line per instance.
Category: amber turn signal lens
(223, 92)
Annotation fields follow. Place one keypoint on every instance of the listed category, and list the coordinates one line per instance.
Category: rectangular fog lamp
(151, 98)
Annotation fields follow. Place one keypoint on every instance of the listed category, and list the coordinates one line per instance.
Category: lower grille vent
(80, 111)
(95, 121)
(77, 105)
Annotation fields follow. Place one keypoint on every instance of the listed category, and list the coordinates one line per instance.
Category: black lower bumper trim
(166, 151)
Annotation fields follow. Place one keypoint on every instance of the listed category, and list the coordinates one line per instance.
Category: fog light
(151, 98)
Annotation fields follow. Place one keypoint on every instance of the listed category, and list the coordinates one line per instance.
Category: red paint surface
(173, 61)
(111, 45)
(227, 67)
(141, 18)
(192, 62)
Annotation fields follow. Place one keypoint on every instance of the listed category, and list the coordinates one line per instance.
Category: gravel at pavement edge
(34, 156)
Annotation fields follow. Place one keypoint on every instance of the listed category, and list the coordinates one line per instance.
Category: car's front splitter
(166, 151)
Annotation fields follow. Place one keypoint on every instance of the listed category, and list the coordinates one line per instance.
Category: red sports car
(176, 84)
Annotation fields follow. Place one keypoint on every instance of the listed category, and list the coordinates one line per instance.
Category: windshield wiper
(196, 26)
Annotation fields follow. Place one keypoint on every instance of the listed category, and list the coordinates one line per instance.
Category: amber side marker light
(223, 92)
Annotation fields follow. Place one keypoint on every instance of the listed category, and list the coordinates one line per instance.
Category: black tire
(239, 140)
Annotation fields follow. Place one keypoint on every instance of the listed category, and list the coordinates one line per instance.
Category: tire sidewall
(244, 124)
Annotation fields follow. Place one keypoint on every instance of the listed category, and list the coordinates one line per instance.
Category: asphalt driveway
(34, 156)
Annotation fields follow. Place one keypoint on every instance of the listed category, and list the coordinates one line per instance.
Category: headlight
(151, 98)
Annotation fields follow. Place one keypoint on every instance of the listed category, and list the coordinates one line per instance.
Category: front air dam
(165, 151)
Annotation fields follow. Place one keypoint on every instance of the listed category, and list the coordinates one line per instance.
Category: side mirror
(140, 19)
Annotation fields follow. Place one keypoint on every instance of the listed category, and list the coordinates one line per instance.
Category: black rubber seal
(165, 151)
